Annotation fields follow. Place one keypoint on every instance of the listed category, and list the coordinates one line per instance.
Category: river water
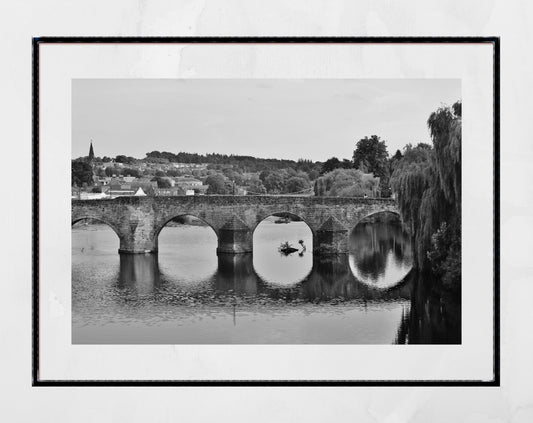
(187, 295)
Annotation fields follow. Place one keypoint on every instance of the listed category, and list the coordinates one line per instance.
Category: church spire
(91, 152)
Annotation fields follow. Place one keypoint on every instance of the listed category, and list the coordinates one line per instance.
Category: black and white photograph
(266, 211)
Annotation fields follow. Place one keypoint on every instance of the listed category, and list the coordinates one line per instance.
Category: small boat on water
(286, 248)
(282, 220)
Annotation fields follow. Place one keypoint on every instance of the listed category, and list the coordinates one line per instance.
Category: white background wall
(511, 20)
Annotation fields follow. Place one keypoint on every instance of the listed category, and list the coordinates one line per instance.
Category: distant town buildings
(183, 185)
(173, 191)
(196, 166)
(123, 185)
(125, 190)
(91, 195)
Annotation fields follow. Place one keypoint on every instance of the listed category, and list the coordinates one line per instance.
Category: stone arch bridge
(138, 220)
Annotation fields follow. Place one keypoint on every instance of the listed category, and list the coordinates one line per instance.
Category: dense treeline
(343, 182)
(427, 180)
(283, 181)
(245, 163)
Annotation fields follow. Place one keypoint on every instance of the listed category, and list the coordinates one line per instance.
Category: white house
(93, 195)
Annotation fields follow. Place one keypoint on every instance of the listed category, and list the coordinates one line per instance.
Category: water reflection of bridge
(431, 316)
(330, 279)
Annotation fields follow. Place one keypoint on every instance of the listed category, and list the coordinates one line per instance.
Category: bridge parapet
(138, 220)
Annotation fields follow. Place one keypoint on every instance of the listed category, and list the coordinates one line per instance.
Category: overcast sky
(292, 119)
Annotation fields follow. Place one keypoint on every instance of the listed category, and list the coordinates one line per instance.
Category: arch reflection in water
(277, 268)
(332, 279)
(137, 299)
(236, 274)
(139, 274)
(380, 251)
(187, 251)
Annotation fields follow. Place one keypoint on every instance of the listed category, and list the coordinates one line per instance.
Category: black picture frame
(38, 41)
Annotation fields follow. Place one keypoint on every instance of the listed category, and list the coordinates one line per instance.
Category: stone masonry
(138, 220)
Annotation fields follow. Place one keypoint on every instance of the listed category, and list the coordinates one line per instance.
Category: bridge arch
(115, 229)
(187, 251)
(280, 214)
(164, 223)
(139, 220)
(375, 213)
(287, 270)
(167, 219)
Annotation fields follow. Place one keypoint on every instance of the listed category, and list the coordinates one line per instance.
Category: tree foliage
(346, 183)
(111, 170)
(445, 255)
(370, 155)
(163, 182)
(125, 159)
(330, 164)
(131, 171)
(244, 163)
(217, 184)
(239, 164)
(410, 181)
(255, 186)
(394, 160)
(334, 163)
(297, 184)
(274, 183)
(445, 129)
(427, 181)
(81, 173)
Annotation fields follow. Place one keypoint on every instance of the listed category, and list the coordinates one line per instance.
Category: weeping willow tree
(427, 182)
(410, 181)
(445, 129)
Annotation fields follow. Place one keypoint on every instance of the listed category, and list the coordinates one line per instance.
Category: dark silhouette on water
(286, 248)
